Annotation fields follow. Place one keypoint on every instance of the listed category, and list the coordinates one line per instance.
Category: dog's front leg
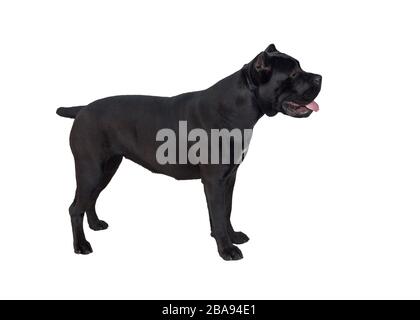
(215, 190)
(237, 237)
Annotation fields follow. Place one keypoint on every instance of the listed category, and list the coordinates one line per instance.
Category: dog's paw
(238, 237)
(83, 247)
(98, 225)
(230, 253)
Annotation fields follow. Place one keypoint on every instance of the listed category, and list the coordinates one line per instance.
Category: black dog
(109, 129)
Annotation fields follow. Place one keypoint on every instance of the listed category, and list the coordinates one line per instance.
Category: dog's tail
(69, 112)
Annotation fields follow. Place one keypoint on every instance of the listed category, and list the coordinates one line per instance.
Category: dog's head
(282, 86)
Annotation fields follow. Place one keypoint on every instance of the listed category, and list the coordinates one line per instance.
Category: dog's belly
(141, 147)
(177, 171)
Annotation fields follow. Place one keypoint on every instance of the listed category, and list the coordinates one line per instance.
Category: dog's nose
(317, 80)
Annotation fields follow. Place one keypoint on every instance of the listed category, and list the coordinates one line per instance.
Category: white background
(331, 203)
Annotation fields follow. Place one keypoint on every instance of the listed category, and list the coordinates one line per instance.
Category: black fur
(109, 129)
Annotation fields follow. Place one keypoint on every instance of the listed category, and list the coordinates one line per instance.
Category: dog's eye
(293, 75)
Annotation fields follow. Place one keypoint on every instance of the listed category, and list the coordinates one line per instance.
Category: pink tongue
(313, 106)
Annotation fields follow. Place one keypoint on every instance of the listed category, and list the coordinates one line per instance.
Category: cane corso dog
(108, 130)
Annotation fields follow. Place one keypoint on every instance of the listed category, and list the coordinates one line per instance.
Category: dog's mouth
(300, 110)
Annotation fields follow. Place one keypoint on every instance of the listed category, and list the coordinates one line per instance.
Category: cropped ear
(262, 68)
(271, 48)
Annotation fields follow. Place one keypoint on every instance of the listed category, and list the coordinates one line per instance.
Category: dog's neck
(263, 106)
(250, 82)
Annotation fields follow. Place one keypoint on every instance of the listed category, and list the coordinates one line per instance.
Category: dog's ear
(271, 48)
(261, 68)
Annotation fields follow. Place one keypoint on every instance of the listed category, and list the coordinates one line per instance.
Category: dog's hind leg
(89, 175)
(237, 237)
(109, 169)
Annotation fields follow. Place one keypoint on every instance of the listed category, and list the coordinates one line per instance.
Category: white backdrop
(331, 203)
